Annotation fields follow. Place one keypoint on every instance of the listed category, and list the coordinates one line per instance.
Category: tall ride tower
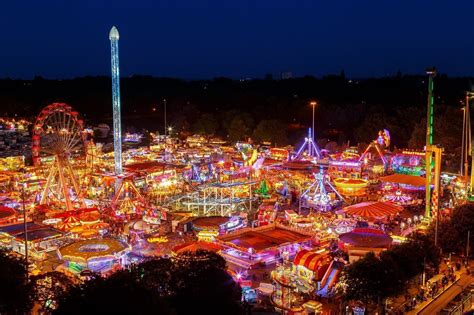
(114, 51)
(431, 72)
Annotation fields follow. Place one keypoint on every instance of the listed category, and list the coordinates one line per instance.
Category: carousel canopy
(366, 237)
(195, 246)
(86, 250)
(404, 179)
(212, 222)
(6, 212)
(374, 209)
(298, 165)
(310, 260)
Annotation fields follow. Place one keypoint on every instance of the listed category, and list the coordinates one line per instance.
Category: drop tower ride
(114, 51)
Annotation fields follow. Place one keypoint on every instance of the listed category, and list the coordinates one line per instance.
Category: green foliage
(372, 279)
(363, 279)
(206, 125)
(447, 133)
(240, 127)
(273, 131)
(263, 189)
(121, 293)
(190, 283)
(49, 288)
(16, 292)
(452, 234)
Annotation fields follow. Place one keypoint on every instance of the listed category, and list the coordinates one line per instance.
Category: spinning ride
(57, 132)
(317, 196)
(309, 149)
(380, 144)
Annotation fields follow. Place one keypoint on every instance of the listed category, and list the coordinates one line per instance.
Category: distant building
(286, 75)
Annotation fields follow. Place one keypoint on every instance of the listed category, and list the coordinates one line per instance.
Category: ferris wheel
(58, 131)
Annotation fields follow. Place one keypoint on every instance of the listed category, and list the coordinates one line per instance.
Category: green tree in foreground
(206, 125)
(16, 292)
(372, 279)
(49, 288)
(190, 283)
(452, 233)
(273, 131)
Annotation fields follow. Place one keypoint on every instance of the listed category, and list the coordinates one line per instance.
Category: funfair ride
(58, 131)
(309, 149)
(380, 145)
(317, 196)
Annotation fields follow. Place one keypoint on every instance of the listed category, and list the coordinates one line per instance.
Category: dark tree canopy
(372, 279)
(273, 131)
(347, 109)
(16, 292)
(453, 232)
(190, 283)
(50, 287)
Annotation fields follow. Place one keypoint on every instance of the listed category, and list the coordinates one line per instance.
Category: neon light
(114, 51)
(345, 163)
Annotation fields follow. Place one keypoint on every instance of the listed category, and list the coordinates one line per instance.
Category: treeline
(347, 110)
(373, 279)
(189, 283)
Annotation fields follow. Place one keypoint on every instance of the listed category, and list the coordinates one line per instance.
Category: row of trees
(241, 126)
(453, 231)
(373, 279)
(190, 283)
(347, 109)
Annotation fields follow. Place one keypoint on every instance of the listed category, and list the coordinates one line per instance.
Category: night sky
(204, 39)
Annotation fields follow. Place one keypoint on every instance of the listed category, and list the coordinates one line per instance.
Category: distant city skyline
(200, 40)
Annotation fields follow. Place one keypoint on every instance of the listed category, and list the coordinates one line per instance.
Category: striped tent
(64, 226)
(72, 219)
(374, 209)
(310, 260)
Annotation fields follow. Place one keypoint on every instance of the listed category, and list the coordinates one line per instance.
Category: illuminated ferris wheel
(58, 131)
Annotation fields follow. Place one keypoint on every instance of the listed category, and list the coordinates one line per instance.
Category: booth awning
(404, 179)
(376, 209)
(310, 260)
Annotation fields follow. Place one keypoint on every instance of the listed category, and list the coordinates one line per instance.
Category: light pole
(466, 136)
(467, 247)
(25, 229)
(164, 104)
(313, 104)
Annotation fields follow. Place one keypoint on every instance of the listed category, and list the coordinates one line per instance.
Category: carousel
(98, 255)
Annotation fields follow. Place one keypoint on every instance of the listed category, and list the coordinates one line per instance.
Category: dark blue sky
(203, 39)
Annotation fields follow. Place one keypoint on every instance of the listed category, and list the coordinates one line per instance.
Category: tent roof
(310, 260)
(375, 209)
(366, 237)
(404, 179)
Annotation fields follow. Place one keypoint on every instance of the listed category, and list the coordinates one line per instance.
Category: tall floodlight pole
(466, 136)
(431, 72)
(164, 103)
(114, 51)
(313, 104)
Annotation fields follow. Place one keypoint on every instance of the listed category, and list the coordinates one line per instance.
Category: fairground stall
(264, 245)
(98, 255)
(361, 241)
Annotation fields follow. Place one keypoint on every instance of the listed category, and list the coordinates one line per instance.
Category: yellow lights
(313, 103)
(160, 239)
(412, 152)
(351, 187)
(350, 183)
(207, 236)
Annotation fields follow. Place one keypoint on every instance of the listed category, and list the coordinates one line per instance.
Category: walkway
(433, 306)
